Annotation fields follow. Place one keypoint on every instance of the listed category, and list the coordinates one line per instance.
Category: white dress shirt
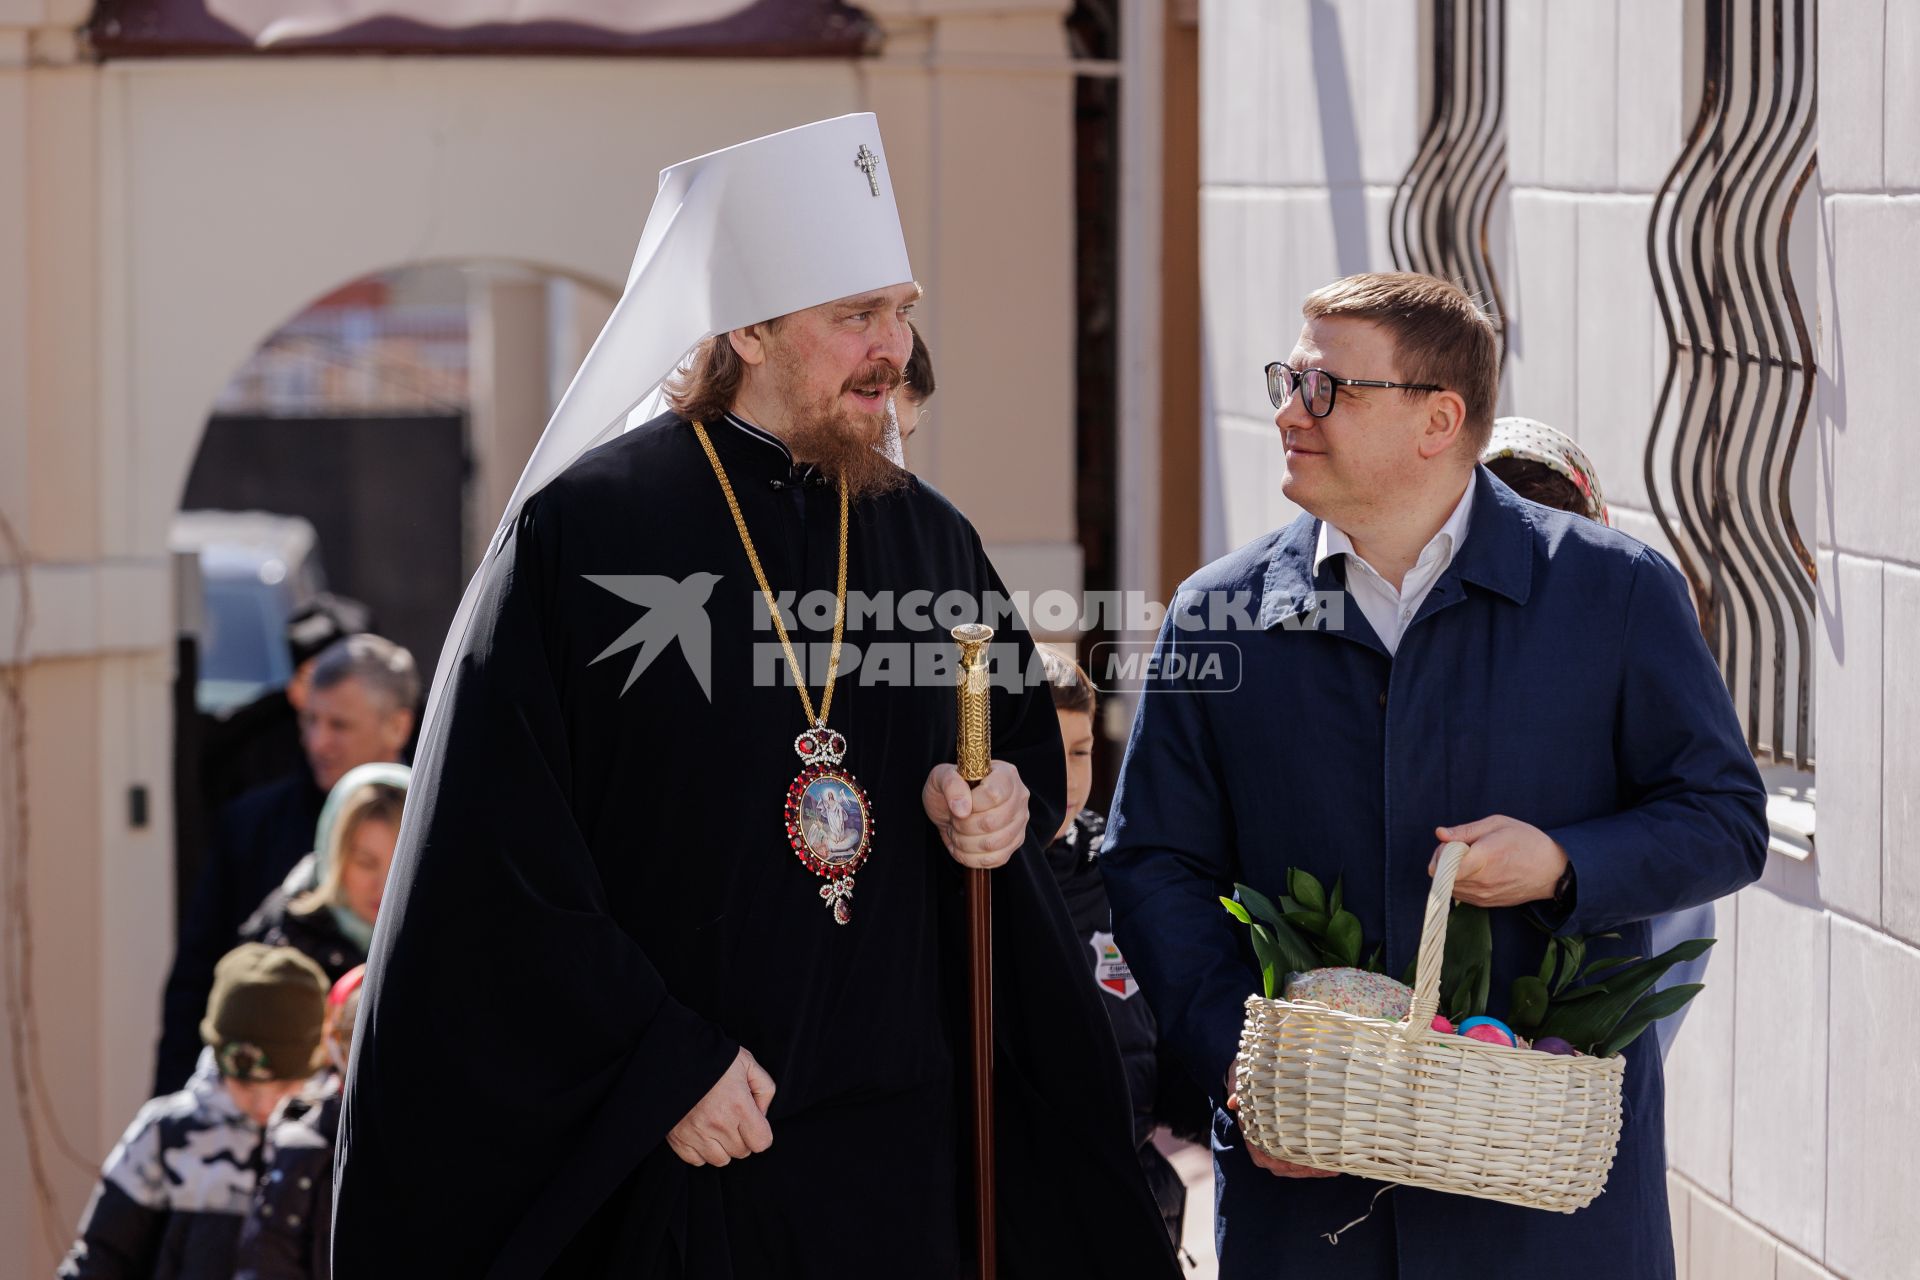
(1389, 611)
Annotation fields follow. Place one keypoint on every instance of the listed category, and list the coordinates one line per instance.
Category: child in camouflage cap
(174, 1192)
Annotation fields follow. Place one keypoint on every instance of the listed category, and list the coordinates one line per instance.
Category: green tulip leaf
(1692, 949)
(1296, 952)
(1314, 922)
(1272, 967)
(1258, 903)
(1343, 937)
(1306, 890)
(1573, 954)
(1467, 966)
(1599, 967)
(1467, 1000)
(1659, 1005)
(1589, 1024)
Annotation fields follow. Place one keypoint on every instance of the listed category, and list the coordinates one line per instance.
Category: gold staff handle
(976, 727)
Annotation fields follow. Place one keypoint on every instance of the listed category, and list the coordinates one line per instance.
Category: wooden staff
(976, 761)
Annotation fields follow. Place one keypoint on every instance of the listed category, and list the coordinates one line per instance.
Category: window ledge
(1790, 811)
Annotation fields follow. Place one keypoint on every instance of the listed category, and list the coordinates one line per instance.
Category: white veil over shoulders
(737, 236)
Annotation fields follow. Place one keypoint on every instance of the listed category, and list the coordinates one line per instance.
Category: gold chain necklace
(829, 820)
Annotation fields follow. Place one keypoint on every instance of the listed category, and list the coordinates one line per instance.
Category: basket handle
(1433, 943)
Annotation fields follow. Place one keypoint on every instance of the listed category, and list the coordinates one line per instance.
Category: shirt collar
(1334, 542)
(761, 434)
(1500, 556)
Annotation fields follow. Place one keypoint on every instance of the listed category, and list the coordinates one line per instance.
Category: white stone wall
(1792, 1120)
(1309, 114)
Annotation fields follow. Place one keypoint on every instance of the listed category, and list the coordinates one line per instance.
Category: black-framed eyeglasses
(1318, 387)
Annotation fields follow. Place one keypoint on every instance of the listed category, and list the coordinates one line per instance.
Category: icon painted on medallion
(1110, 968)
(833, 820)
(828, 817)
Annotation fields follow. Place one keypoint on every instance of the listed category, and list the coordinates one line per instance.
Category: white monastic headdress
(761, 229)
(737, 236)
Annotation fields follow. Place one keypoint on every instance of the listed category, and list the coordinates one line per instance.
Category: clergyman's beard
(846, 445)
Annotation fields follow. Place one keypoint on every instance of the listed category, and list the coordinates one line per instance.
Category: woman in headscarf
(328, 903)
(1544, 465)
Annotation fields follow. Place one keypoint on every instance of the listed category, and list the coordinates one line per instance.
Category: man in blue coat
(1422, 657)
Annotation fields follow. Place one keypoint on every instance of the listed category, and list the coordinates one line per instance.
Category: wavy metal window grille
(1438, 222)
(1739, 381)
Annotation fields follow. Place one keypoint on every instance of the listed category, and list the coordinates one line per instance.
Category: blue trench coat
(1555, 674)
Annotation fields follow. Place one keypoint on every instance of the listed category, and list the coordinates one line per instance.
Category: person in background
(1543, 464)
(910, 399)
(326, 906)
(260, 742)
(1073, 859)
(288, 1229)
(360, 707)
(175, 1190)
(1546, 466)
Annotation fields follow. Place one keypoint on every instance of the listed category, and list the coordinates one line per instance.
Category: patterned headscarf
(1533, 441)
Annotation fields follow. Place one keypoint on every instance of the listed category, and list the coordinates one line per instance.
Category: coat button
(306, 1184)
(293, 1220)
(1383, 697)
(266, 1211)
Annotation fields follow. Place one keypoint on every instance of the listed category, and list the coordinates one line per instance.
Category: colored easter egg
(1491, 1031)
(1554, 1044)
(1443, 1024)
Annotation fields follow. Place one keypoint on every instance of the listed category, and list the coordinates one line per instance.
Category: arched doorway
(364, 449)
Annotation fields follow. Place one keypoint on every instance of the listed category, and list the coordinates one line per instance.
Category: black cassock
(594, 903)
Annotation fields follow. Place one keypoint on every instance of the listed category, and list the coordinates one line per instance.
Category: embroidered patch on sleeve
(1110, 968)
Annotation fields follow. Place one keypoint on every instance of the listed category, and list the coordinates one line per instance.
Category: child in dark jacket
(290, 1226)
(174, 1192)
(1073, 857)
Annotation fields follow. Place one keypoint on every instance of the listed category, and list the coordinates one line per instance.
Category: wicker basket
(1402, 1103)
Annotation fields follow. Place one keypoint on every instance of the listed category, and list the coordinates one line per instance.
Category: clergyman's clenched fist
(980, 825)
(730, 1123)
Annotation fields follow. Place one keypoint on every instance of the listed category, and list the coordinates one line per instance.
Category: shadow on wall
(1830, 419)
(1213, 514)
(1339, 140)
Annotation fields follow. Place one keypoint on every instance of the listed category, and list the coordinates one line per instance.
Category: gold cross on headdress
(868, 163)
